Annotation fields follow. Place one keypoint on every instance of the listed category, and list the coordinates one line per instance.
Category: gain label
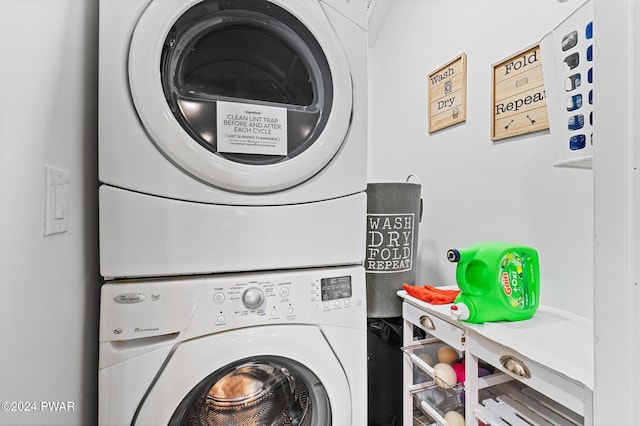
(515, 276)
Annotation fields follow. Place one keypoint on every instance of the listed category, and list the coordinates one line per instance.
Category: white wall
(617, 203)
(474, 189)
(49, 285)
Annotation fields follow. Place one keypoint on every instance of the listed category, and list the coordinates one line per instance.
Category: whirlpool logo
(129, 298)
(145, 330)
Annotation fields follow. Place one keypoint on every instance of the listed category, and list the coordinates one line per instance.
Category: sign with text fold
(519, 99)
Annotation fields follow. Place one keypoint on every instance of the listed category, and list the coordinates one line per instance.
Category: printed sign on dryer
(251, 129)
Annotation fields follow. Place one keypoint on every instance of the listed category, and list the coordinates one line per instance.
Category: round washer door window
(266, 369)
(246, 95)
(257, 391)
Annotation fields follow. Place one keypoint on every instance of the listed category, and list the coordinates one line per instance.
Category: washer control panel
(327, 295)
(205, 304)
(277, 297)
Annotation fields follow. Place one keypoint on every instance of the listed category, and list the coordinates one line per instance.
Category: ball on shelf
(447, 354)
(453, 418)
(426, 358)
(444, 375)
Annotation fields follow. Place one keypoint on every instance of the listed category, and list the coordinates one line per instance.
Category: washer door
(258, 376)
(250, 96)
(256, 391)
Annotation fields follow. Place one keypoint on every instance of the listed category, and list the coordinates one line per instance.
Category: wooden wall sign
(448, 94)
(519, 99)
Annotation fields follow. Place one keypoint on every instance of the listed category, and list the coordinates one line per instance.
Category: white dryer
(232, 135)
(256, 349)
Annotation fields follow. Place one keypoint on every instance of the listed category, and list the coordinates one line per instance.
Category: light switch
(56, 200)
(59, 213)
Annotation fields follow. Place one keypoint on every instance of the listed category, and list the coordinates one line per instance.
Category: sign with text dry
(448, 94)
(519, 99)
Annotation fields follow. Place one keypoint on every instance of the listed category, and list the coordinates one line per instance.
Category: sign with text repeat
(519, 99)
(448, 94)
(389, 242)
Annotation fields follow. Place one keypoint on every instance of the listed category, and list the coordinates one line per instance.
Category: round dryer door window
(249, 96)
(258, 391)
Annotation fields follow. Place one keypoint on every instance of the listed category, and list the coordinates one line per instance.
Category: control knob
(252, 298)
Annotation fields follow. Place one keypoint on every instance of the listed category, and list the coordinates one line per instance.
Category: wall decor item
(567, 54)
(519, 98)
(448, 94)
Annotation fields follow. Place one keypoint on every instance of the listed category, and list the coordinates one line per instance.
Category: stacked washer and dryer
(232, 161)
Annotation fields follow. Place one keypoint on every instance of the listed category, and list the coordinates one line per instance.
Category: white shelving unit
(543, 367)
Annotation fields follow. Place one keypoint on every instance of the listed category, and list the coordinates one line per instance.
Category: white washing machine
(232, 135)
(276, 348)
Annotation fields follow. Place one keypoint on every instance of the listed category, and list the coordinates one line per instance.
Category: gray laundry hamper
(394, 212)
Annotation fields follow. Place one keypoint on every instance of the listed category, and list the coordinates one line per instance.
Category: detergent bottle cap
(453, 255)
(459, 311)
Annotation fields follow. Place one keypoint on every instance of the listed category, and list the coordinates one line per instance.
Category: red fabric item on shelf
(430, 294)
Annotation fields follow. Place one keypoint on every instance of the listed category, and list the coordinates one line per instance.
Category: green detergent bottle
(498, 281)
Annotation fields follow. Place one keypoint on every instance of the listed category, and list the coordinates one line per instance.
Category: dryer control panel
(197, 306)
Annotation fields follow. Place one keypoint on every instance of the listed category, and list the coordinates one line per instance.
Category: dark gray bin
(393, 216)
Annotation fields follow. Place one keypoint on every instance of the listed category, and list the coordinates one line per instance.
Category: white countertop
(557, 339)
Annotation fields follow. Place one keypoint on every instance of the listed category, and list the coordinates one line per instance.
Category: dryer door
(249, 96)
(261, 375)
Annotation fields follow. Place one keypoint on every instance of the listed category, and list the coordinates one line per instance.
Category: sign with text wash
(389, 242)
(448, 94)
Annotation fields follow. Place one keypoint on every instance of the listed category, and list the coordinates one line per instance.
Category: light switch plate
(56, 213)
